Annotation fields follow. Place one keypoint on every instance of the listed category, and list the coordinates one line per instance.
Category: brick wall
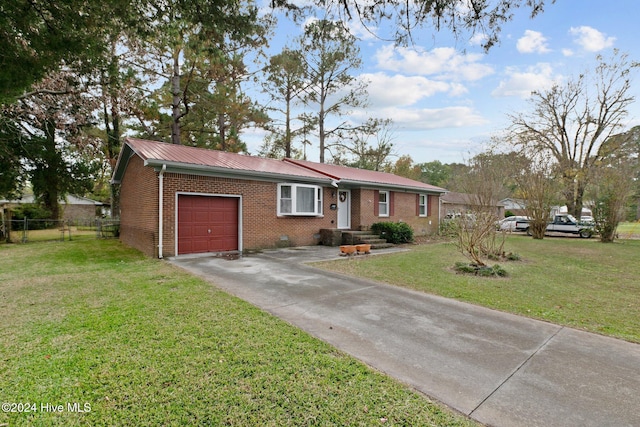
(78, 212)
(404, 210)
(261, 227)
(139, 208)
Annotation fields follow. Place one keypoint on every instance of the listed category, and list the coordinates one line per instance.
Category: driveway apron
(497, 368)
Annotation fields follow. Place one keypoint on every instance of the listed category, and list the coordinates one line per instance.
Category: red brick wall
(139, 207)
(261, 227)
(404, 209)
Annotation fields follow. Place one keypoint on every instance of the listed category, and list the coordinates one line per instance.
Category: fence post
(24, 229)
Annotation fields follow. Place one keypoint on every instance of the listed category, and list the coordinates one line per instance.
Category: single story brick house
(177, 200)
(453, 205)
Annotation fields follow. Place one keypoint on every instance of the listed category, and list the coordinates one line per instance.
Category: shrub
(513, 257)
(39, 217)
(394, 232)
(484, 271)
(30, 211)
(448, 228)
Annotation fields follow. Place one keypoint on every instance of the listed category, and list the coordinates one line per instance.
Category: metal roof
(186, 159)
(200, 159)
(356, 176)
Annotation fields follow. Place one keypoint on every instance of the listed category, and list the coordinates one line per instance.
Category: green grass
(146, 344)
(53, 234)
(580, 283)
(629, 230)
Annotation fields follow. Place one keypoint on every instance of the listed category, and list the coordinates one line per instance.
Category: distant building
(453, 205)
(73, 208)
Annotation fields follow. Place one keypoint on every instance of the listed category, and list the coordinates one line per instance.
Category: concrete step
(373, 241)
(381, 245)
(356, 237)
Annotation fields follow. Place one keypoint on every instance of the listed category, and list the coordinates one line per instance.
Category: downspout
(160, 208)
(440, 211)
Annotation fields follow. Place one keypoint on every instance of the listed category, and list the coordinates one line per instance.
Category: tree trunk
(321, 133)
(175, 103)
(287, 134)
(222, 132)
(49, 172)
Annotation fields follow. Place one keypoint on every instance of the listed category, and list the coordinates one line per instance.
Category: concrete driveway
(497, 368)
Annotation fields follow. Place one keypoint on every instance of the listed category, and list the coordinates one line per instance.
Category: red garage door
(207, 224)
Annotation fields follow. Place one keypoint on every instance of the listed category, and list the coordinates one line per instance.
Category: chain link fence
(40, 230)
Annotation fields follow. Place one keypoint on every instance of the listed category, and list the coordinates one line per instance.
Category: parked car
(509, 223)
(561, 224)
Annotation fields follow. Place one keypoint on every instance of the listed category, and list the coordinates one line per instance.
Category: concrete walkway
(497, 368)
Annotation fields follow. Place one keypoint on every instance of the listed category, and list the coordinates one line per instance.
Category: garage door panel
(207, 224)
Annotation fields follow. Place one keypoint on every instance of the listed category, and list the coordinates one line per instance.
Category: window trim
(425, 204)
(386, 203)
(317, 202)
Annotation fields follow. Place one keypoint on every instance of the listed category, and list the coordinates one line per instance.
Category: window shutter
(417, 204)
(391, 204)
(376, 201)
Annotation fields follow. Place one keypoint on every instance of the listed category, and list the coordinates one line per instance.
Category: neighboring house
(517, 207)
(453, 205)
(177, 200)
(72, 208)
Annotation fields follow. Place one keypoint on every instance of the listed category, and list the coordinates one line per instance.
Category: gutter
(160, 209)
(394, 187)
(178, 167)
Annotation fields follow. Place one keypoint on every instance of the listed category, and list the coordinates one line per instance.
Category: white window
(422, 205)
(383, 203)
(299, 199)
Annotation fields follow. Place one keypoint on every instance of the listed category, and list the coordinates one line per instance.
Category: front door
(344, 209)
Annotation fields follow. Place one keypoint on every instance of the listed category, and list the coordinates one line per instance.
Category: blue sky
(448, 97)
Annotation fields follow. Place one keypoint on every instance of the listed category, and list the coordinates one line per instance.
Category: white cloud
(445, 63)
(477, 39)
(532, 42)
(432, 118)
(399, 90)
(591, 39)
(521, 84)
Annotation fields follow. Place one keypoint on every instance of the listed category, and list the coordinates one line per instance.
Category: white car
(587, 220)
(509, 223)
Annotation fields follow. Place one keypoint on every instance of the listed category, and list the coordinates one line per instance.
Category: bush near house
(34, 212)
(394, 232)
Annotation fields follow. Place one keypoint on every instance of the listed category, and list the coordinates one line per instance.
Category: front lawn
(570, 281)
(130, 341)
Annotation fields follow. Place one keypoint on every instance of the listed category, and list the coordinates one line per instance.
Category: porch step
(364, 237)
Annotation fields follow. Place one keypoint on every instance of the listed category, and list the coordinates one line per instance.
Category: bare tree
(367, 146)
(538, 187)
(483, 184)
(572, 122)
